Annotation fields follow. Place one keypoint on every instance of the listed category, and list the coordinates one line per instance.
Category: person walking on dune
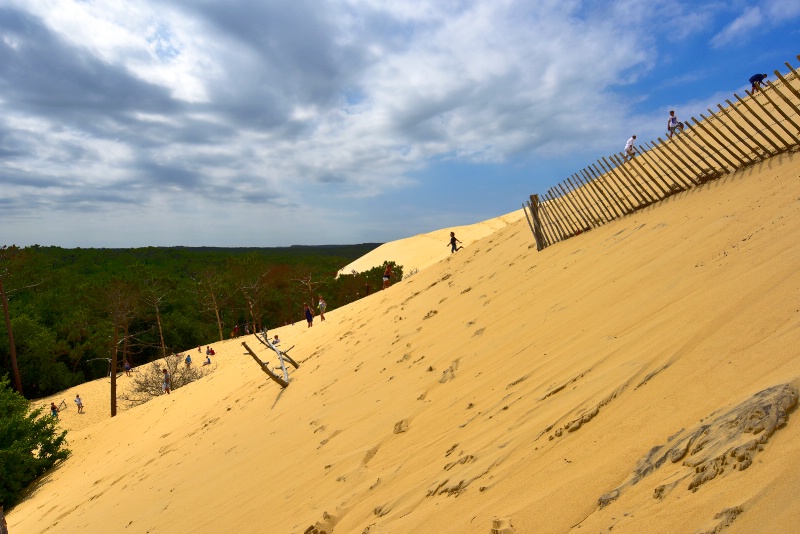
(309, 314)
(673, 124)
(53, 410)
(453, 241)
(79, 402)
(167, 385)
(757, 81)
(321, 304)
(630, 151)
(387, 276)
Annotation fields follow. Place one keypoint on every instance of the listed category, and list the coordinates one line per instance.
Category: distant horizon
(150, 124)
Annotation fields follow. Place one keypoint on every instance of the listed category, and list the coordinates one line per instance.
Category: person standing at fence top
(630, 151)
(757, 80)
(673, 124)
(453, 241)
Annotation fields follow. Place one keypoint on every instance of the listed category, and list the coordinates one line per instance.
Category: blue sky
(261, 123)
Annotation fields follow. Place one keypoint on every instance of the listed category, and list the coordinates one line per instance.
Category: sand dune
(423, 250)
(640, 377)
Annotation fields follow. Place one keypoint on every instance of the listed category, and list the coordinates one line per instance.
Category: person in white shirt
(673, 124)
(630, 151)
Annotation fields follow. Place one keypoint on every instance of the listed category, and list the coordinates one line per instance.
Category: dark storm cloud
(43, 75)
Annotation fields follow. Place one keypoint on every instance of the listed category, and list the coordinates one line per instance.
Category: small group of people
(54, 410)
(675, 126)
(308, 311)
(188, 360)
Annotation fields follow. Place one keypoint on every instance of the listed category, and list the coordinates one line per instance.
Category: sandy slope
(498, 383)
(423, 250)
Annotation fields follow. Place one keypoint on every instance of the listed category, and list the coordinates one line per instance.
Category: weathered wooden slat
(618, 161)
(765, 124)
(753, 149)
(627, 199)
(642, 164)
(786, 83)
(669, 181)
(686, 165)
(697, 161)
(594, 218)
(792, 137)
(526, 209)
(549, 229)
(755, 129)
(681, 175)
(676, 185)
(604, 184)
(689, 140)
(788, 102)
(633, 194)
(559, 216)
(742, 156)
(658, 176)
(606, 207)
(584, 224)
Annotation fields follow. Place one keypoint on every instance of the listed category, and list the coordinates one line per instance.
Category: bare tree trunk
(216, 311)
(12, 345)
(3, 524)
(161, 333)
(115, 341)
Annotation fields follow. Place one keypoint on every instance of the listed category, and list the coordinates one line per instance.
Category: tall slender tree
(121, 303)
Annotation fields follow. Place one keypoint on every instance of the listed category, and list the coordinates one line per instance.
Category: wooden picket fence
(743, 133)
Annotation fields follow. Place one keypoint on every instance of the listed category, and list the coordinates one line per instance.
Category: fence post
(537, 224)
(551, 231)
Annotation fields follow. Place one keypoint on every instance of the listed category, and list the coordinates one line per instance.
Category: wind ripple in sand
(709, 449)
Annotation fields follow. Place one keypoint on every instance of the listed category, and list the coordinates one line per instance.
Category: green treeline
(72, 311)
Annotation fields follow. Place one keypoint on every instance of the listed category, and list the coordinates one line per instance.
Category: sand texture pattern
(641, 377)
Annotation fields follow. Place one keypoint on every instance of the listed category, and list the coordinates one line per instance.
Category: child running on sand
(453, 242)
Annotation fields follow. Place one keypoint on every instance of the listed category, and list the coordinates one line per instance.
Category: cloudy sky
(272, 123)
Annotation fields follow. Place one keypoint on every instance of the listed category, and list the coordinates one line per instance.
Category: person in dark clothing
(757, 80)
(453, 241)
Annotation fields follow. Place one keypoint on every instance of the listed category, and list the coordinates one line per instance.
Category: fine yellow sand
(498, 387)
(422, 251)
